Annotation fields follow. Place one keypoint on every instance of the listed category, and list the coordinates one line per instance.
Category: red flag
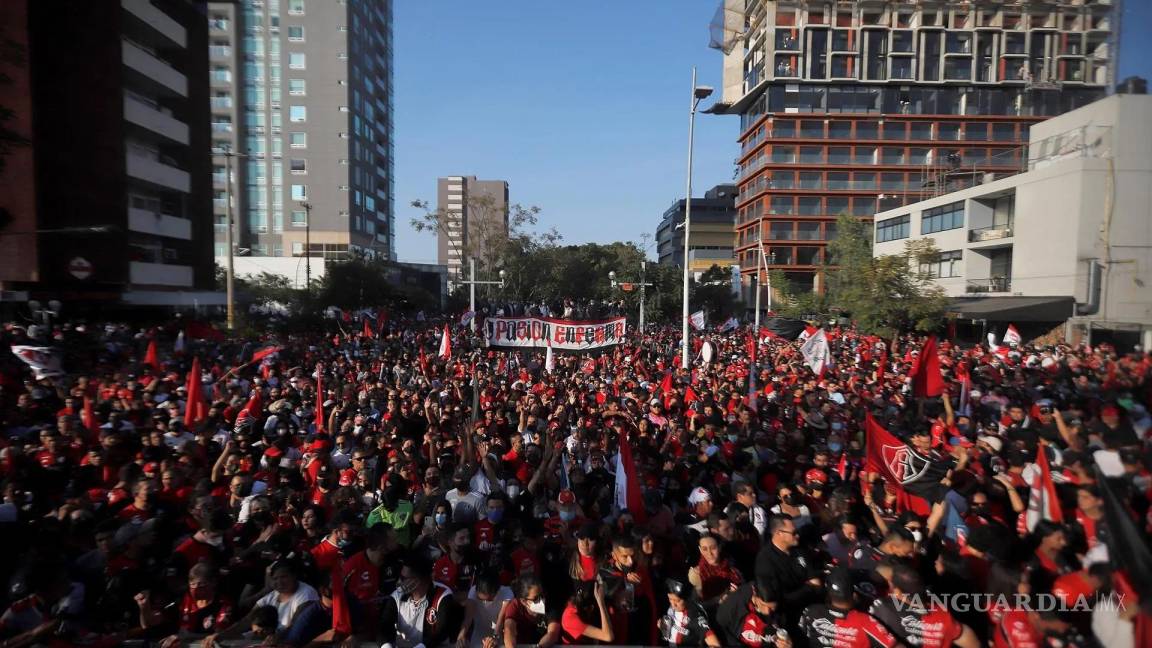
(319, 399)
(690, 396)
(842, 467)
(666, 384)
(262, 353)
(422, 360)
(750, 347)
(628, 495)
(194, 410)
(891, 458)
(250, 411)
(926, 378)
(445, 344)
(1042, 501)
(767, 333)
(89, 417)
(341, 614)
(367, 332)
(150, 356)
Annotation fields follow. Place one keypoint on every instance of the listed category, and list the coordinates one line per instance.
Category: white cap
(699, 494)
(993, 442)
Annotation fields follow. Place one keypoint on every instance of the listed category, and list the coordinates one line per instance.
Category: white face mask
(536, 607)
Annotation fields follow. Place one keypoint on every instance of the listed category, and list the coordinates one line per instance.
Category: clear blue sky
(582, 107)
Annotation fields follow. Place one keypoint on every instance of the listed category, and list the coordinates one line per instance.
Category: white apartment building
(1068, 240)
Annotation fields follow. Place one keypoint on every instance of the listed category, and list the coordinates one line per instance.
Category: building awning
(1013, 309)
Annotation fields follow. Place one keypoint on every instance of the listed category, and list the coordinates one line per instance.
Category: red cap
(815, 475)
(567, 497)
(151, 467)
(348, 477)
(273, 452)
(1109, 410)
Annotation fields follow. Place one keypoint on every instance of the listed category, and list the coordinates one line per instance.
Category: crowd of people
(361, 489)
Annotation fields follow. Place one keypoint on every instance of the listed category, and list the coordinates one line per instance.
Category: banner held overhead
(565, 335)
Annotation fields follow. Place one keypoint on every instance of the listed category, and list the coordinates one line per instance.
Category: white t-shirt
(484, 614)
(466, 508)
(286, 610)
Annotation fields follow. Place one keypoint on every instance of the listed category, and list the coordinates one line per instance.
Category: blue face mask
(837, 426)
(567, 516)
(441, 519)
(963, 428)
(835, 448)
(496, 515)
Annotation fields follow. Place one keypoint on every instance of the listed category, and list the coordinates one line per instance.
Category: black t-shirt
(1122, 436)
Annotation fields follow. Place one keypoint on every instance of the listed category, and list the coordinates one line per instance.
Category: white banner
(564, 335)
(697, 320)
(815, 352)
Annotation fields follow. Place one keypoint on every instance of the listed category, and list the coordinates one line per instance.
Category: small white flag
(697, 320)
(549, 359)
(445, 344)
(1012, 336)
(44, 361)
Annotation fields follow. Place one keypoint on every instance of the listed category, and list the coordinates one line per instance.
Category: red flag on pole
(1042, 501)
(319, 399)
(892, 460)
(690, 396)
(666, 384)
(628, 495)
(250, 411)
(89, 416)
(367, 332)
(264, 352)
(150, 356)
(842, 467)
(194, 409)
(926, 378)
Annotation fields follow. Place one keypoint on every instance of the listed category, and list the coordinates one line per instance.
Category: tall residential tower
(302, 95)
(477, 212)
(863, 106)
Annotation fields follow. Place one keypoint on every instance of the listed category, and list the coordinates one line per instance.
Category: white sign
(80, 268)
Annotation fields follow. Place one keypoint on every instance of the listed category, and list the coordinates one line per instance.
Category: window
(945, 265)
(893, 229)
(299, 218)
(298, 140)
(939, 219)
(299, 192)
(295, 32)
(296, 87)
(297, 61)
(296, 7)
(298, 167)
(297, 113)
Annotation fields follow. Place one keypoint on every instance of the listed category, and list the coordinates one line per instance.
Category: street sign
(80, 268)
(627, 287)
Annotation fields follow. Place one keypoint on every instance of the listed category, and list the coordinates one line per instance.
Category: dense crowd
(357, 488)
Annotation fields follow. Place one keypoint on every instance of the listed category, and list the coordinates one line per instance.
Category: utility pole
(698, 93)
(643, 285)
(472, 283)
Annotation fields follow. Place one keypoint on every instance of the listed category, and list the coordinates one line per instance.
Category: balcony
(991, 233)
(159, 274)
(143, 115)
(151, 15)
(221, 103)
(992, 285)
(149, 222)
(220, 51)
(155, 172)
(152, 70)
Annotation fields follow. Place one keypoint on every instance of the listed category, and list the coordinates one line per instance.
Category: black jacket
(786, 574)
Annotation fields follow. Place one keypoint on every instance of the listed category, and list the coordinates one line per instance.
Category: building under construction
(856, 107)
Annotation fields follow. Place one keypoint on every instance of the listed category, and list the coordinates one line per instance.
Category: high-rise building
(711, 237)
(106, 201)
(859, 107)
(476, 214)
(302, 93)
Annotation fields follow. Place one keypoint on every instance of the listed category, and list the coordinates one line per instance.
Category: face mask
(343, 544)
(733, 437)
(963, 428)
(837, 426)
(536, 607)
(916, 534)
(441, 519)
(407, 587)
(495, 516)
(460, 484)
(835, 448)
(513, 491)
(567, 516)
(790, 499)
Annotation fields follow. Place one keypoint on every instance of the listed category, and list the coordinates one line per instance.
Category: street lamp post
(765, 262)
(229, 266)
(473, 282)
(641, 283)
(698, 93)
(307, 246)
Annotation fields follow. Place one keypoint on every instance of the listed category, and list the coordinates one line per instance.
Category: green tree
(491, 226)
(713, 293)
(888, 294)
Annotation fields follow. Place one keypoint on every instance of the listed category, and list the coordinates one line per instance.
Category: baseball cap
(840, 584)
(348, 477)
(699, 494)
(992, 442)
(815, 475)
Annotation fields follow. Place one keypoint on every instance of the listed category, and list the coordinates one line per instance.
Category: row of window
(809, 206)
(893, 130)
(938, 219)
(879, 156)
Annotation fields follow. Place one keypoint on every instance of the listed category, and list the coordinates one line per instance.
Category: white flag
(1012, 336)
(44, 361)
(815, 352)
(179, 347)
(445, 344)
(549, 359)
(697, 320)
(731, 325)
